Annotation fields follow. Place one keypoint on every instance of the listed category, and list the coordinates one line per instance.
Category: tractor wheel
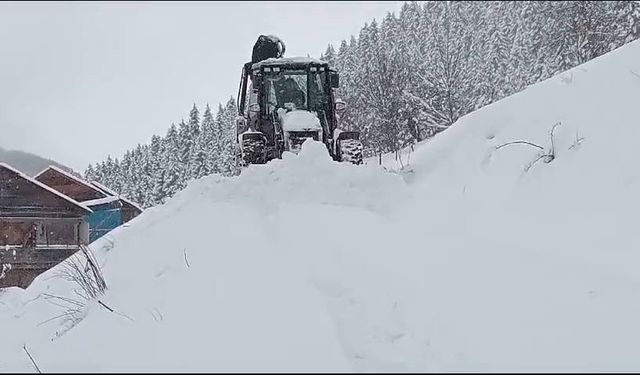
(351, 151)
(253, 150)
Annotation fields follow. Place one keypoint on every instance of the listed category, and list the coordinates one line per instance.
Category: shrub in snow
(83, 271)
(546, 156)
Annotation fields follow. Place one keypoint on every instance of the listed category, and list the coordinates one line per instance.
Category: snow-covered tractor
(284, 101)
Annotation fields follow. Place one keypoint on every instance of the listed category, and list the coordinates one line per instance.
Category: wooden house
(110, 210)
(39, 227)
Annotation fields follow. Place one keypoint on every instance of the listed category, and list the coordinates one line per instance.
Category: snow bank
(468, 260)
(534, 270)
(200, 284)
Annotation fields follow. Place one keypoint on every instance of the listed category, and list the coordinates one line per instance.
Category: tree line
(414, 74)
(151, 173)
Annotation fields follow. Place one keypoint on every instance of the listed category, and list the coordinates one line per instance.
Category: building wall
(20, 278)
(29, 233)
(23, 265)
(55, 240)
(84, 233)
(128, 213)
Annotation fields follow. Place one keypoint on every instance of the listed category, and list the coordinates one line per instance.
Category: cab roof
(290, 61)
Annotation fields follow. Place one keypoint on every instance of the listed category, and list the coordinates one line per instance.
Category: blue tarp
(103, 221)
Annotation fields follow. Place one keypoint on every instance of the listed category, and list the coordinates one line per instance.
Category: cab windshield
(295, 89)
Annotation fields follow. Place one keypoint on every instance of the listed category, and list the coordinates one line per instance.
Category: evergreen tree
(227, 145)
(200, 163)
(146, 180)
(185, 144)
(329, 55)
(173, 167)
(89, 173)
(125, 167)
(157, 157)
(135, 175)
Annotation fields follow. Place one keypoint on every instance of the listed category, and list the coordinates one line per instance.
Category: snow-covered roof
(69, 175)
(96, 186)
(113, 193)
(99, 201)
(43, 186)
(134, 204)
(104, 189)
(288, 60)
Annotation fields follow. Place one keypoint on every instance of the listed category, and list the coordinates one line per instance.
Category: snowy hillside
(468, 260)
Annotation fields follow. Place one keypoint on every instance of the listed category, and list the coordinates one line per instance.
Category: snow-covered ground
(467, 260)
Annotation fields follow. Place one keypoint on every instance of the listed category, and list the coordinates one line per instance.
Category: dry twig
(185, 258)
(31, 358)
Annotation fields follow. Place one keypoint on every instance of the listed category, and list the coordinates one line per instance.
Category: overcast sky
(79, 81)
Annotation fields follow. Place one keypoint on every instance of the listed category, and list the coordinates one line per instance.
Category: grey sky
(79, 80)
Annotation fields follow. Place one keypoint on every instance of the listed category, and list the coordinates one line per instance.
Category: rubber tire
(351, 151)
(253, 151)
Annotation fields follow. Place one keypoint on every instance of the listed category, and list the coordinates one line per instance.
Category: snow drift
(472, 259)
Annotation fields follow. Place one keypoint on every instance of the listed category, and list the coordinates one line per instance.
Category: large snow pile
(472, 259)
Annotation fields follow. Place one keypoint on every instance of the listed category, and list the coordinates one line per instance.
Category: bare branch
(105, 306)
(546, 156)
(31, 358)
(634, 73)
(552, 153)
(68, 300)
(185, 258)
(82, 270)
(83, 296)
(66, 313)
(519, 142)
(98, 277)
(530, 165)
(159, 316)
(115, 312)
(577, 142)
(59, 305)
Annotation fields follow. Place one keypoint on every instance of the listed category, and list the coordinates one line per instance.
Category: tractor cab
(290, 100)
